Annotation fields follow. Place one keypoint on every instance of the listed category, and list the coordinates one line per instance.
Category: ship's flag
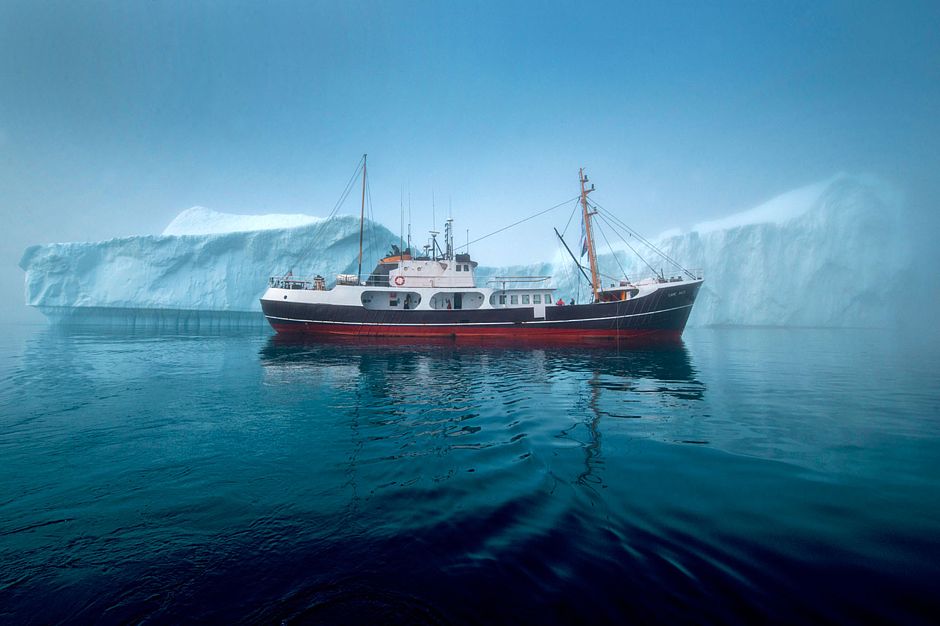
(583, 238)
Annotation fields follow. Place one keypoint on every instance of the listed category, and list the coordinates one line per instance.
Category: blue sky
(116, 116)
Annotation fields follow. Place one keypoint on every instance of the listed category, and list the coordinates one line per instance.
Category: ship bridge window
(459, 267)
(390, 300)
(513, 299)
(525, 298)
(457, 300)
(537, 298)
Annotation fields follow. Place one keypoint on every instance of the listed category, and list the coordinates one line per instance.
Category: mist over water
(194, 472)
(746, 474)
(115, 118)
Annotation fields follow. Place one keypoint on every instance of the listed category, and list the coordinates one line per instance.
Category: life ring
(399, 280)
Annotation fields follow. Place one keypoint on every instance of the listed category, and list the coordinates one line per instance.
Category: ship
(435, 294)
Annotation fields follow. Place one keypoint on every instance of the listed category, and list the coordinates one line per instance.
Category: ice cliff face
(834, 254)
(831, 254)
(210, 271)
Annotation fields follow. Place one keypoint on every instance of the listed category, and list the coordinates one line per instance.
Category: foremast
(588, 233)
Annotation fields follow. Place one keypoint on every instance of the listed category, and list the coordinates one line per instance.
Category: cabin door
(458, 300)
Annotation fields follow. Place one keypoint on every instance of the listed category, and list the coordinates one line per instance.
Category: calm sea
(748, 475)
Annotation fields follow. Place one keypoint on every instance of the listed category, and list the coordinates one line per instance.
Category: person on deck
(560, 302)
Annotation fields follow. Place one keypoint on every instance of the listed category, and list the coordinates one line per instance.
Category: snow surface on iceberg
(831, 254)
(202, 221)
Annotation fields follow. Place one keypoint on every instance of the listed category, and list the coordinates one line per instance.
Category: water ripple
(743, 476)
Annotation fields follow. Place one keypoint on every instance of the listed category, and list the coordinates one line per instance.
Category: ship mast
(362, 215)
(588, 234)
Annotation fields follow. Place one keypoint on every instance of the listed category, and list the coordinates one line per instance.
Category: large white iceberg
(831, 254)
(217, 274)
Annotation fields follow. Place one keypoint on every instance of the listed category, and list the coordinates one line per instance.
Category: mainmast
(362, 216)
(588, 233)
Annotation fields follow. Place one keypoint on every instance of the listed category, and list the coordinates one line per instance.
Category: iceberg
(206, 269)
(831, 254)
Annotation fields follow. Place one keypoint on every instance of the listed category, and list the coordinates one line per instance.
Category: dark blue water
(746, 476)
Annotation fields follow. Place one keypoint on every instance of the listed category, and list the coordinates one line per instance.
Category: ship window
(525, 299)
(502, 299)
(513, 299)
(466, 268)
(459, 267)
(537, 299)
(393, 303)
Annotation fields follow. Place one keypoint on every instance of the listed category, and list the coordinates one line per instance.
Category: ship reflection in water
(425, 382)
(477, 474)
(423, 390)
(237, 477)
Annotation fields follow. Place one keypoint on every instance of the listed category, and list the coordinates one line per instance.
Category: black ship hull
(658, 316)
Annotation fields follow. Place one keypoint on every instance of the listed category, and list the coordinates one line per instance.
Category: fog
(116, 117)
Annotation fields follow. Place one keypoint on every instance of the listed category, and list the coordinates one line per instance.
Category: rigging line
(372, 233)
(644, 240)
(614, 253)
(322, 225)
(348, 188)
(623, 224)
(570, 217)
(633, 233)
(526, 219)
(401, 223)
(632, 249)
(604, 217)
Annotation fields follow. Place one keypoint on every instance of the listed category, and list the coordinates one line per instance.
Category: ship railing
(319, 282)
(294, 282)
(519, 282)
(518, 279)
(663, 276)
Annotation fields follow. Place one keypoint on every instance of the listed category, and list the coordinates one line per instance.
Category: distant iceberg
(830, 254)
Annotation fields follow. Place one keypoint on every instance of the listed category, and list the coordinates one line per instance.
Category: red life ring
(399, 280)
